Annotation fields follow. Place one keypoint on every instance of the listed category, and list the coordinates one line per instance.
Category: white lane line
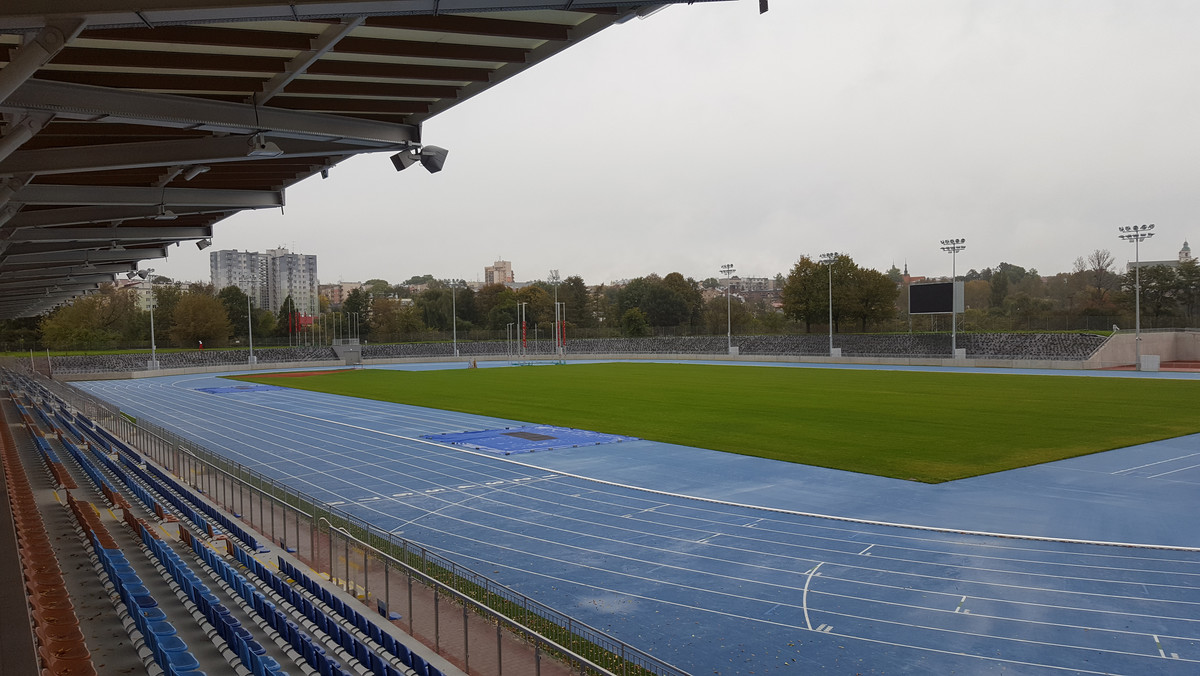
(1181, 469)
(804, 602)
(1151, 464)
(336, 503)
(401, 495)
(961, 601)
(1158, 644)
(865, 550)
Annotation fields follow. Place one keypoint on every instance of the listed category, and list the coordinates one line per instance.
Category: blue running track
(720, 564)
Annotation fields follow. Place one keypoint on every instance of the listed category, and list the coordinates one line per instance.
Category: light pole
(952, 247)
(828, 260)
(727, 270)
(145, 275)
(1135, 234)
(522, 330)
(554, 279)
(454, 312)
(250, 328)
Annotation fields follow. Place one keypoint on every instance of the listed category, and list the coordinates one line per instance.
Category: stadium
(921, 504)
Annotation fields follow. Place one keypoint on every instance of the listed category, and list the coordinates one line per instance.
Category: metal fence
(481, 626)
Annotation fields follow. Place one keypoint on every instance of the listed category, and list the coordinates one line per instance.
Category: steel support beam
(103, 104)
(97, 214)
(62, 271)
(166, 154)
(37, 52)
(121, 234)
(30, 14)
(225, 200)
(74, 257)
(321, 44)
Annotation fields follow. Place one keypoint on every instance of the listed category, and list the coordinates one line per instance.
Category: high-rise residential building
(500, 272)
(268, 278)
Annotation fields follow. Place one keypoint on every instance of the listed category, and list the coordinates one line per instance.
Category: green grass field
(922, 426)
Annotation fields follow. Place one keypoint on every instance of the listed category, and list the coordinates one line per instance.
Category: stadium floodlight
(194, 171)
(727, 270)
(432, 158)
(204, 244)
(953, 247)
(1135, 234)
(259, 146)
(828, 259)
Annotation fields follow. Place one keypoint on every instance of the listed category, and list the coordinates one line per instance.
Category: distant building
(500, 272)
(268, 278)
(337, 293)
(1185, 254)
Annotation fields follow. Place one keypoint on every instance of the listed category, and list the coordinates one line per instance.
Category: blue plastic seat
(388, 643)
(418, 664)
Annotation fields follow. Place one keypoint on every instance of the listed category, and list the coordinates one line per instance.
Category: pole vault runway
(713, 583)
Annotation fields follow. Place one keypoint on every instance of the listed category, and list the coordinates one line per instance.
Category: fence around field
(477, 624)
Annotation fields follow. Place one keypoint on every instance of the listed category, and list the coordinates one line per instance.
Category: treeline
(1000, 298)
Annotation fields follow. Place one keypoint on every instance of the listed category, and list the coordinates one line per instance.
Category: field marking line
(804, 602)
(1151, 464)
(1181, 469)
(873, 522)
(863, 552)
(1158, 644)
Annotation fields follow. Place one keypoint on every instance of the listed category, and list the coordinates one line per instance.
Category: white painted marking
(435, 490)
(369, 499)
(828, 628)
(1181, 469)
(337, 502)
(1174, 656)
(1158, 644)
(865, 550)
(493, 483)
(821, 628)
(468, 486)
(706, 540)
(401, 495)
(1151, 464)
(804, 600)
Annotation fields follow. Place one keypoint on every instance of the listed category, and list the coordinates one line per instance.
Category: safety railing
(480, 625)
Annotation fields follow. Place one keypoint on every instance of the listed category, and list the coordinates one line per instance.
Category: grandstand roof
(128, 127)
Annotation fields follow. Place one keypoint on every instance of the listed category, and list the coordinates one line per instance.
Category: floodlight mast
(828, 259)
(728, 271)
(953, 247)
(145, 275)
(1135, 234)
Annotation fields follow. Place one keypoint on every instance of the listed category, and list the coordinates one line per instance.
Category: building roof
(128, 126)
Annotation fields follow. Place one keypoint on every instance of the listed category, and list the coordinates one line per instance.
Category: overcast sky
(708, 134)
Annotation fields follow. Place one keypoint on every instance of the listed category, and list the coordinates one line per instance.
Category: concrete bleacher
(152, 570)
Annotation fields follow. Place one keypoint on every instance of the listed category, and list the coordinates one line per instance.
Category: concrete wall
(1120, 348)
(221, 368)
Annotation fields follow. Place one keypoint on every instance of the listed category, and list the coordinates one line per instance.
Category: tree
(873, 296)
(417, 280)
(805, 291)
(495, 306)
(237, 308)
(1159, 290)
(710, 283)
(1188, 283)
(357, 305)
(200, 317)
(392, 320)
(166, 297)
(540, 310)
(634, 323)
(377, 287)
(715, 318)
(688, 290)
(103, 319)
(976, 294)
(577, 302)
(1097, 269)
(285, 321)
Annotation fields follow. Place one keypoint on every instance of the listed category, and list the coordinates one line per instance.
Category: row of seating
(275, 618)
(56, 627)
(180, 506)
(62, 478)
(230, 629)
(331, 625)
(369, 649)
(227, 524)
(142, 617)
